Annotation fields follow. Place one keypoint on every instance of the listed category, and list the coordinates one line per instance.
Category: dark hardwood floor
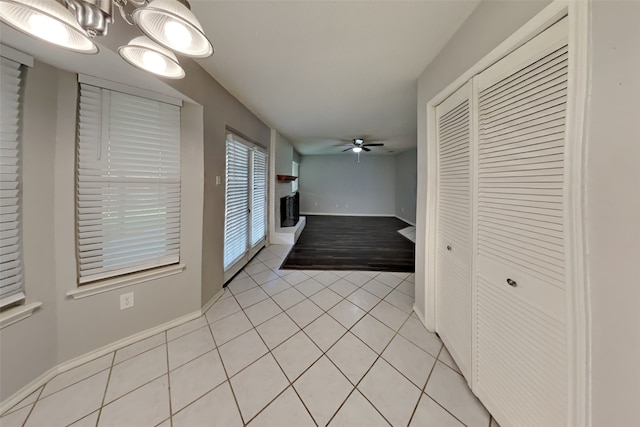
(352, 243)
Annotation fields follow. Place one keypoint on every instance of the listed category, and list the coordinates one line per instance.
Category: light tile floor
(280, 348)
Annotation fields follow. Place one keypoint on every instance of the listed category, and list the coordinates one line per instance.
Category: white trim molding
(124, 281)
(121, 87)
(391, 215)
(16, 314)
(16, 55)
(578, 312)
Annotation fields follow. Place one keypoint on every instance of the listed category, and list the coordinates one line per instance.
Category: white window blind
(128, 184)
(11, 281)
(236, 214)
(259, 197)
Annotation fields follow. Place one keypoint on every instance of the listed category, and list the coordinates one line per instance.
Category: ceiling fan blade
(379, 144)
(366, 149)
(350, 148)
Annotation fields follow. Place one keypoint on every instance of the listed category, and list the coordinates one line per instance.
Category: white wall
(406, 185)
(613, 213)
(282, 155)
(337, 184)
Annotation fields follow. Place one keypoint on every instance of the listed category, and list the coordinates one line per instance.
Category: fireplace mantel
(286, 178)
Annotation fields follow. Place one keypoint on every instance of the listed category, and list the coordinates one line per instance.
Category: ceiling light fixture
(148, 55)
(71, 24)
(357, 149)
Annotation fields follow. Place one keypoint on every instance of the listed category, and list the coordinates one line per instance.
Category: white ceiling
(320, 72)
(323, 71)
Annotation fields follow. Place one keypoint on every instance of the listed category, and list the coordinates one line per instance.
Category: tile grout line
(224, 368)
(355, 387)
(300, 330)
(379, 356)
(166, 342)
(24, 423)
(106, 387)
(269, 351)
(423, 392)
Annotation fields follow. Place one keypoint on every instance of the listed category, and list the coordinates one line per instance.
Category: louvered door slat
(519, 354)
(521, 366)
(507, 83)
(453, 235)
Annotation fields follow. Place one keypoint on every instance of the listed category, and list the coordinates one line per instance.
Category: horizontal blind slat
(11, 278)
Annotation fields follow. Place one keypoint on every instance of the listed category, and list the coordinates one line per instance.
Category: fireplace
(289, 210)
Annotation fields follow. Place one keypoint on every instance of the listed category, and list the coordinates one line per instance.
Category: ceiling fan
(359, 145)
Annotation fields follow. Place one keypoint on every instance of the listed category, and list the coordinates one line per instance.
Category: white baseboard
(419, 314)
(75, 362)
(212, 301)
(25, 391)
(94, 354)
(345, 214)
(405, 220)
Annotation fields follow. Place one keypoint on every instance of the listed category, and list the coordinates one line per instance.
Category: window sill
(17, 314)
(124, 281)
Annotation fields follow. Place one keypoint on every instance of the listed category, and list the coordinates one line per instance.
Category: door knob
(512, 283)
(449, 248)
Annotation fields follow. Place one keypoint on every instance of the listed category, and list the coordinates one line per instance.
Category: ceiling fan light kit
(358, 145)
(169, 26)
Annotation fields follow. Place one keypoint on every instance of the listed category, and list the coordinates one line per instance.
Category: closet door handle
(449, 248)
(512, 283)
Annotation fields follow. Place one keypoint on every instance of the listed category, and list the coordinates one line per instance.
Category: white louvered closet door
(521, 343)
(453, 226)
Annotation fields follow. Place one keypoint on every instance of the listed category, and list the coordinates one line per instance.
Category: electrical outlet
(218, 179)
(126, 301)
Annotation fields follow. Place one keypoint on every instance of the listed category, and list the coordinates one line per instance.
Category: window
(11, 279)
(245, 219)
(128, 184)
(295, 170)
(236, 212)
(259, 197)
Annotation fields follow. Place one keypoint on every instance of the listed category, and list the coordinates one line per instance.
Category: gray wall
(28, 348)
(612, 212)
(65, 328)
(612, 200)
(406, 185)
(337, 184)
